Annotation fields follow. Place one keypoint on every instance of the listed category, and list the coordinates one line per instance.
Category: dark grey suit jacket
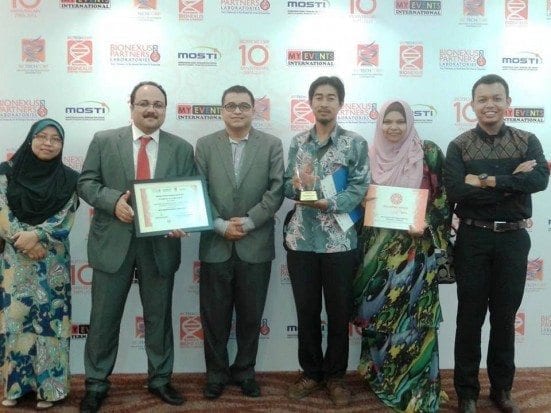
(106, 174)
(259, 193)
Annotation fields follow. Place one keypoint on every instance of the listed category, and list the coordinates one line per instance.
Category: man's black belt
(496, 226)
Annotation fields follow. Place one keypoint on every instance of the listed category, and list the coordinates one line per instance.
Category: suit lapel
(126, 153)
(163, 156)
(224, 149)
(249, 154)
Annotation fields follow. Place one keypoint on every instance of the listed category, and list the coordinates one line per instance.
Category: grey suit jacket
(106, 174)
(259, 193)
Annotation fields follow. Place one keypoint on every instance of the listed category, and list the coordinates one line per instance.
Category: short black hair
(489, 80)
(238, 89)
(327, 80)
(146, 83)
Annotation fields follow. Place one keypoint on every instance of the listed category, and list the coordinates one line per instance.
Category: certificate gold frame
(163, 205)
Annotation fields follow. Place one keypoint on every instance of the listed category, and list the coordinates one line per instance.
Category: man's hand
(526, 166)
(235, 230)
(37, 252)
(25, 240)
(417, 232)
(177, 233)
(123, 211)
(321, 204)
(471, 179)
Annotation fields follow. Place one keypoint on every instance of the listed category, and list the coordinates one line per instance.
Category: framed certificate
(394, 207)
(163, 205)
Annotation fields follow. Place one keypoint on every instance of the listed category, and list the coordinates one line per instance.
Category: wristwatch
(482, 178)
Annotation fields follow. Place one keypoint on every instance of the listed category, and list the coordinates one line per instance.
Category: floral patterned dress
(35, 307)
(397, 305)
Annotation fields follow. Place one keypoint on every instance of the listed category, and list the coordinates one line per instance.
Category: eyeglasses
(243, 107)
(144, 104)
(54, 140)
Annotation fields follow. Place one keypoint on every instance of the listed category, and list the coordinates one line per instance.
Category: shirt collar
(137, 134)
(333, 136)
(237, 141)
(485, 135)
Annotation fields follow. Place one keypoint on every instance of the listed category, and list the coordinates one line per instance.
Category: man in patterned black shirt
(490, 173)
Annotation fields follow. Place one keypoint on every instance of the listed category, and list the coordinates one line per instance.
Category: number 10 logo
(254, 54)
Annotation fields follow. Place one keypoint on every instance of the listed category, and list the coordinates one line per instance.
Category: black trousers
(311, 274)
(491, 274)
(223, 287)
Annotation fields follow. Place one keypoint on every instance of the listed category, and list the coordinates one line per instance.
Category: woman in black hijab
(37, 206)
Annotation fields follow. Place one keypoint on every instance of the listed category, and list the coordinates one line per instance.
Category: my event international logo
(134, 54)
(462, 59)
(79, 330)
(363, 10)
(309, 58)
(302, 116)
(307, 7)
(203, 56)
(22, 109)
(88, 110)
(525, 115)
(255, 56)
(190, 10)
(191, 331)
(423, 113)
(33, 56)
(79, 55)
(516, 12)
(85, 4)
(418, 8)
(358, 112)
(411, 59)
(25, 8)
(474, 13)
(525, 60)
(245, 6)
(192, 111)
(545, 325)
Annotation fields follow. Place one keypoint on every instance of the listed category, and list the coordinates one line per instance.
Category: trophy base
(308, 196)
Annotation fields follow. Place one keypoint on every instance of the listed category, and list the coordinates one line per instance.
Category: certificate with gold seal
(395, 208)
(163, 205)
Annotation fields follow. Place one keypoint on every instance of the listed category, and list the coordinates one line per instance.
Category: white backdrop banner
(77, 61)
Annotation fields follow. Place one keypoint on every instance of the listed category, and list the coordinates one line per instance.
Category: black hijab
(38, 189)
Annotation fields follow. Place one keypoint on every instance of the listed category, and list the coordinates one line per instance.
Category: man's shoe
(168, 394)
(338, 393)
(467, 406)
(502, 400)
(250, 388)
(303, 387)
(92, 401)
(213, 390)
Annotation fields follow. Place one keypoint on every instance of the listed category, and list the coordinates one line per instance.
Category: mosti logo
(33, 56)
(358, 112)
(25, 8)
(291, 330)
(79, 55)
(474, 13)
(423, 113)
(307, 7)
(302, 116)
(190, 111)
(245, 7)
(520, 324)
(462, 59)
(79, 330)
(134, 54)
(525, 60)
(203, 56)
(363, 10)
(515, 114)
(418, 8)
(85, 4)
(298, 57)
(191, 331)
(88, 110)
(255, 56)
(22, 109)
(190, 10)
(411, 59)
(516, 12)
(545, 325)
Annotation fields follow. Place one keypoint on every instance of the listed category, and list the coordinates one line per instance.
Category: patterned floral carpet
(532, 391)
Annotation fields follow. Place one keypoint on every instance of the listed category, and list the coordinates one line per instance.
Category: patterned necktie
(142, 169)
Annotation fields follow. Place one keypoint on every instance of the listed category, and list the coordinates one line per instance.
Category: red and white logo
(367, 55)
(190, 9)
(520, 323)
(33, 50)
(411, 59)
(302, 116)
(516, 11)
(191, 331)
(139, 327)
